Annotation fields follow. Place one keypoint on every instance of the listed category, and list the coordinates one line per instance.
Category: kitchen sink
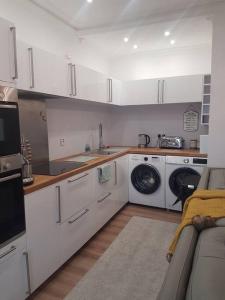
(103, 152)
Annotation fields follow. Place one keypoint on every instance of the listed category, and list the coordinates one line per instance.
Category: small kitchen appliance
(174, 142)
(143, 140)
(26, 153)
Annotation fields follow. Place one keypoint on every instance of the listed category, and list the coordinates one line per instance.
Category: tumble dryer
(147, 180)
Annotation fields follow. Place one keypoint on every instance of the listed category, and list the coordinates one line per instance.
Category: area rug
(133, 267)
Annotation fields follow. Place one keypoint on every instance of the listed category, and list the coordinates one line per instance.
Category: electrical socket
(61, 142)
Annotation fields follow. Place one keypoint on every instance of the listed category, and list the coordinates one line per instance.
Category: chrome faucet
(101, 146)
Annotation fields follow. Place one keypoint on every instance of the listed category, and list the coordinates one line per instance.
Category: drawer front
(77, 230)
(77, 193)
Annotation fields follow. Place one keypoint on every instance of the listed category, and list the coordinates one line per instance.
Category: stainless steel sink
(103, 152)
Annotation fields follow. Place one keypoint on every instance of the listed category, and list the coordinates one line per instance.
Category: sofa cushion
(177, 276)
(208, 271)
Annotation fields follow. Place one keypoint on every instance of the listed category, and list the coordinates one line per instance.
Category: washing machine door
(145, 179)
(179, 176)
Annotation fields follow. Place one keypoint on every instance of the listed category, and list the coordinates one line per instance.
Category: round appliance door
(179, 176)
(145, 179)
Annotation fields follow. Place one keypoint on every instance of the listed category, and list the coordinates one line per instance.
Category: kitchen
(82, 78)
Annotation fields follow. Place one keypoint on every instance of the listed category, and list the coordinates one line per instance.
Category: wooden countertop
(41, 181)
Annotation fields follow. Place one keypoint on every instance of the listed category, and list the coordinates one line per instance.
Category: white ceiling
(105, 22)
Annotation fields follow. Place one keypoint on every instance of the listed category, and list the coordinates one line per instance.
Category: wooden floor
(60, 284)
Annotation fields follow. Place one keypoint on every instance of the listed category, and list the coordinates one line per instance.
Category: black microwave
(9, 128)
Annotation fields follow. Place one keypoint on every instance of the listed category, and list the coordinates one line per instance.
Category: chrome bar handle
(30, 50)
(28, 273)
(13, 248)
(74, 80)
(81, 215)
(163, 87)
(7, 178)
(104, 198)
(115, 164)
(158, 100)
(76, 179)
(13, 30)
(111, 92)
(71, 79)
(59, 204)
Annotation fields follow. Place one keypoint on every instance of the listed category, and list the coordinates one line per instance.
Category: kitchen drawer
(76, 193)
(77, 230)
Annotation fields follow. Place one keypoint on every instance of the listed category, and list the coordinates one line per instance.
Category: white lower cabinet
(43, 230)
(61, 218)
(14, 276)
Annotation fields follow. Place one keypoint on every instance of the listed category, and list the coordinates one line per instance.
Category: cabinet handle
(59, 203)
(75, 80)
(81, 215)
(28, 273)
(73, 180)
(13, 30)
(71, 78)
(101, 200)
(30, 50)
(163, 87)
(110, 90)
(158, 91)
(13, 248)
(115, 164)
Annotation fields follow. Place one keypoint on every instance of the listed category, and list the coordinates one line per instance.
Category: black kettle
(143, 140)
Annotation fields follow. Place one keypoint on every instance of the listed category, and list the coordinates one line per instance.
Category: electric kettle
(143, 140)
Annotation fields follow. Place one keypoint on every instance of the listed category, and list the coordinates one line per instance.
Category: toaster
(175, 142)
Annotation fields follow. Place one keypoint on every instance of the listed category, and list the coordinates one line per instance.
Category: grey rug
(133, 267)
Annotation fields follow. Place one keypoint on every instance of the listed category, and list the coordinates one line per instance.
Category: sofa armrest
(177, 276)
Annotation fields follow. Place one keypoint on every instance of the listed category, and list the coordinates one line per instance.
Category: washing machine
(177, 167)
(147, 180)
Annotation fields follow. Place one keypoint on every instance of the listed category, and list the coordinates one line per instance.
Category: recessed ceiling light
(167, 33)
(126, 39)
(89, 1)
(172, 42)
(135, 46)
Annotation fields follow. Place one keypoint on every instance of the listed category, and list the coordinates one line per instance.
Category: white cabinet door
(90, 85)
(43, 230)
(138, 92)
(121, 186)
(182, 89)
(41, 71)
(77, 192)
(76, 231)
(8, 67)
(13, 271)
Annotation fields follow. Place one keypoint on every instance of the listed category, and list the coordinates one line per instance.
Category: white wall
(128, 122)
(162, 63)
(39, 28)
(77, 124)
(217, 110)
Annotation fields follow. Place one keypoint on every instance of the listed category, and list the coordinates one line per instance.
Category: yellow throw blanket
(204, 203)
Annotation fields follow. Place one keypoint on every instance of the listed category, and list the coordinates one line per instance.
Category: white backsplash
(78, 124)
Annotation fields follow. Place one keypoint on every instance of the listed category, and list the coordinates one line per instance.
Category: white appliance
(177, 167)
(147, 180)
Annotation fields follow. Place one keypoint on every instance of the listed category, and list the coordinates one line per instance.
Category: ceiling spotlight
(167, 33)
(89, 1)
(126, 39)
(172, 42)
(135, 46)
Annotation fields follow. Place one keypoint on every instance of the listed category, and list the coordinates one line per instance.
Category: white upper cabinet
(181, 89)
(8, 54)
(139, 92)
(90, 85)
(41, 71)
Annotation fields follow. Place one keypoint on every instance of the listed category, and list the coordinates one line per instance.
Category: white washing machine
(147, 180)
(177, 167)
